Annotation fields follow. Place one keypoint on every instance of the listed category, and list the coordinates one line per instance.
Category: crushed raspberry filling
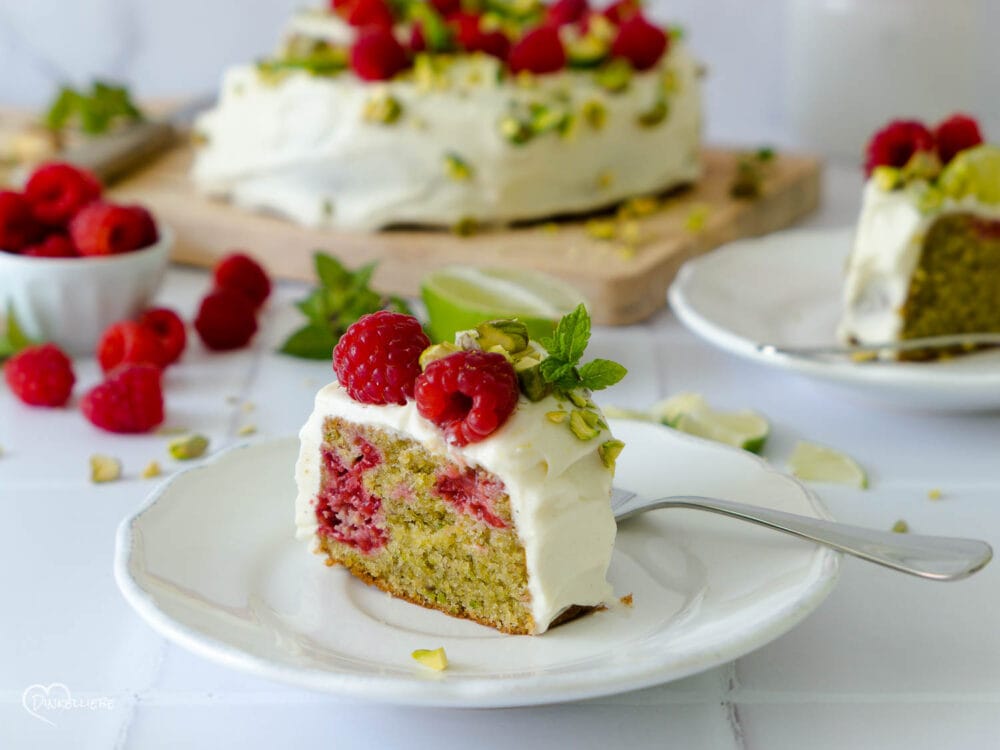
(345, 510)
(472, 492)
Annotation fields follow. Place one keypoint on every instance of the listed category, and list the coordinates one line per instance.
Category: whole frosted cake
(469, 478)
(373, 114)
(926, 257)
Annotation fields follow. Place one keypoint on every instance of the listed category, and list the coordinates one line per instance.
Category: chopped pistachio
(587, 51)
(923, 165)
(639, 206)
(630, 232)
(887, 178)
(382, 108)
(901, 527)
(601, 229)
(615, 76)
(557, 417)
(579, 400)
(515, 131)
(435, 352)
(509, 335)
(104, 469)
(186, 448)
(584, 424)
(601, 27)
(247, 429)
(935, 494)
(594, 113)
(457, 168)
(655, 114)
(530, 380)
(669, 83)
(465, 227)
(696, 218)
(526, 79)
(545, 119)
(436, 659)
(609, 452)
(152, 470)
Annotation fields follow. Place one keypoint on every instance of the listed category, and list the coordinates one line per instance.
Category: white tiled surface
(887, 662)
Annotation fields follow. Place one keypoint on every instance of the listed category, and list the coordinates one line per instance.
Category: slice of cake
(926, 256)
(375, 113)
(472, 478)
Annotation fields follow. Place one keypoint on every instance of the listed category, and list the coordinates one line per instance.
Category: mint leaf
(601, 373)
(569, 341)
(559, 373)
(94, 111)
(310, 342)
(13, 339)
(331, 272)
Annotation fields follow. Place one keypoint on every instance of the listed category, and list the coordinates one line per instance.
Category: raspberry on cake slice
(471, 478)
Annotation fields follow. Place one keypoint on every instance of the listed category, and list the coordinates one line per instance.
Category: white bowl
(70, 301)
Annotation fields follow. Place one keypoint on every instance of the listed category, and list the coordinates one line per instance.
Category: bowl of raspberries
(71, 261)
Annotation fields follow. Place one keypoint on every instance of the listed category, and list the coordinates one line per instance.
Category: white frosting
(887, 246)
(559, 491)
(300, 146)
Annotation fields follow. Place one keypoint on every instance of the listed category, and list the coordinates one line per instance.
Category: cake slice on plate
(471, 478)
(926, 256)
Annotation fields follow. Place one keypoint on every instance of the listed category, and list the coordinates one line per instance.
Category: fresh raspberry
(57, 191)
(243, 274)
(956, 134)
(167, 326)
(377, 56)
(226, 320)
(377, 359)
(40, 375)
(470, 35)
(109, 229)
(53, 246)
(18, 226)
(468, 394)
(622, 10)
(129, 343)
(564, 12)
(447, 7)
(538, 51)
(370, 13)
(640, 42)
(145, 225)
(894, 144)
(130, 400)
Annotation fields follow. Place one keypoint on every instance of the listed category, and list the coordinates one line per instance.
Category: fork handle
(935, 557)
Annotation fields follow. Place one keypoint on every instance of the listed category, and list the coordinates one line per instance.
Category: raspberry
(538, 51)
(145, 225)
(472, 38)
(17, 224)
(243, 274)
(53, 246)
(369, 13)
(377, 56)
(377, 358)
(640, 42)
(225, 320)
(622, 10)
(167, 326)
(109, 229)
(129, 343)
(40, 375)
(956, 134)
(894, 144)
(130, 400)
(447, 7)
(565, 12)
(468, 394)
(57, 191)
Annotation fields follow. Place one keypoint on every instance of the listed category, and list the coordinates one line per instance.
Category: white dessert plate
(211, 563)
(784, 289)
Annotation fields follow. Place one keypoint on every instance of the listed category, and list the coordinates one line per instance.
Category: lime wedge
(461, 297)
(974, 172)
(821, 464)
(690, 413)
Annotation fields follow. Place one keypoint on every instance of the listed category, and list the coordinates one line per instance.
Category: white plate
(211, 563)
(785, 289)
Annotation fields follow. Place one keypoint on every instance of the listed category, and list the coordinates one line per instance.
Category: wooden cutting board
(623, 284)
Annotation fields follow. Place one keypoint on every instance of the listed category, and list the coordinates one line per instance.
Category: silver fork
(938, 558)
(926, 342)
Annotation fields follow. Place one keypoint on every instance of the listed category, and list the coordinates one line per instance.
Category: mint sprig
(341, 298)
(562, 369)
(13, 338)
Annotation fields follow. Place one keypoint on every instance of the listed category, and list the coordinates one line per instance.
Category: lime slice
(974, 172)
(461, 297)
(690, 413)
(821, 464)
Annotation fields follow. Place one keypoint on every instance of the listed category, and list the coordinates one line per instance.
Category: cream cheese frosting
(887, 247)
(306, 146)
(557, 484)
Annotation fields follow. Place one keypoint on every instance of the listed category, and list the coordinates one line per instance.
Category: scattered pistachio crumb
(550, 227)
(152, 470)
(696, 218)
(382, 108)
(457, 168)
(104, 469)
(901, 527)
(189, 447)
(436, 659)
(626, 600)
(609, 452)
(465, 227)
(935, 494)
(247, 429)
(556, 417)
(601, 229)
